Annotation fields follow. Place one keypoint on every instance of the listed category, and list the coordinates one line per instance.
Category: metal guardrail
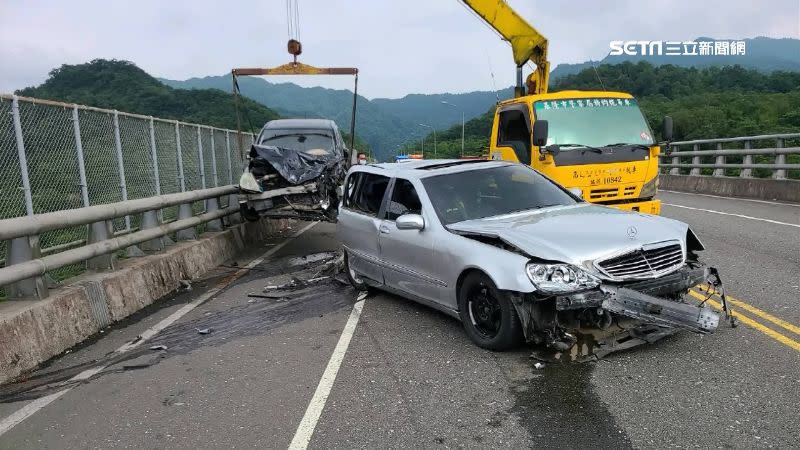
(59, 156)
(26, 268)
(771, 161)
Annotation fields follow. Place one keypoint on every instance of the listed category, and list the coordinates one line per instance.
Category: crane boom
(527, 44)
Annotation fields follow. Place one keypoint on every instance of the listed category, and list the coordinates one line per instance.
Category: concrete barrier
(757, 188)
(33, 331)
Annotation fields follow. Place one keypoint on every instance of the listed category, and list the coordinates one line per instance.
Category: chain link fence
(56, 156)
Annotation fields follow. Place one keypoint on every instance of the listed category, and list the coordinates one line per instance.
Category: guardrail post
(695, 161)
(228, 152)
(213, 159)
(150, 220)
(675, 160)
(20, 250)
(98, 232)
(779, 174)
(154, 153)
(179, 152)
(748, 159)
(23, 159)
(212, 205)
(719, 172)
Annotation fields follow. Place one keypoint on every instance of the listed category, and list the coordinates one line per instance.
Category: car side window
(367, 193)
(404, 200)
(350, 189)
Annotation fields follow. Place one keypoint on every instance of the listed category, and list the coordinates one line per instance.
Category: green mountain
(385, 124)
(762, 53)
(121, 85)
(709, 102)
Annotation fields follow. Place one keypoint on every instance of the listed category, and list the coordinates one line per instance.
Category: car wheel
(488, 315)
(352, 276)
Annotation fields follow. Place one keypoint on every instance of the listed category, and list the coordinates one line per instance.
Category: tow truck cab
(598, 142)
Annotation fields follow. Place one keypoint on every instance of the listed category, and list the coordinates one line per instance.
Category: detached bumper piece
(658, 311)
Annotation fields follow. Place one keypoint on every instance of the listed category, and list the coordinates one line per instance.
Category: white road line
(732, 198)
(31, 408)
(731, 214)
(306, 428)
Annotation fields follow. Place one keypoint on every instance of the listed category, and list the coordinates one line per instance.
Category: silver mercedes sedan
(515, 256)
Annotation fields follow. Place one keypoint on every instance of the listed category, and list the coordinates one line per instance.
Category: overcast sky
(400, 47)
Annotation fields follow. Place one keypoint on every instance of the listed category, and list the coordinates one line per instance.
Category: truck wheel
(490, 319)
(352, 276)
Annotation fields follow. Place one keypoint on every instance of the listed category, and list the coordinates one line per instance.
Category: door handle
(384, 229)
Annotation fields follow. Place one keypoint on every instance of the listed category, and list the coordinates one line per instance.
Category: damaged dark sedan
(293, 170)
(516, 257)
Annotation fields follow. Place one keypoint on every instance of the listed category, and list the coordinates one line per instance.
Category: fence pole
(695, 161)
(23, 249)
(779, 174)
(185, 209)
(23, 160)
(212, 204)
(153, 151)
(748, 159)
(228, 152)
(233, 199)
(121, 167)
(76, 125)
(720, 160)
(181, 178)
(200, 158)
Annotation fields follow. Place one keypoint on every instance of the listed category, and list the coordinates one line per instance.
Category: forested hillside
(121, 85)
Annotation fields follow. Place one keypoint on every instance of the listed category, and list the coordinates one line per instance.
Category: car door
(410, 259)
(358, 222)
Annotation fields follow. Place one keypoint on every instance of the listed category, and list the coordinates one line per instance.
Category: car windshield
(300, 140)
(475, 194)
(593, 122)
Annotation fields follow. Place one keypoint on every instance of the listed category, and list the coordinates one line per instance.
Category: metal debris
(204, 330)
(158, 347)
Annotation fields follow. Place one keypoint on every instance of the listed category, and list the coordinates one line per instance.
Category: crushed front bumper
(655, 302)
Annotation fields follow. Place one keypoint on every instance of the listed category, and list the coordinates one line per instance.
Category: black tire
(352, 276)
(490, 319)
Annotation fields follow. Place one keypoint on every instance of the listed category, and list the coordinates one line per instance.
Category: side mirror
(540, 133)
(576, 191)
(410, 222)
(667, 128)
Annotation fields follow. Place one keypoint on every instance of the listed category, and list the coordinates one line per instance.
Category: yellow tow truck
(595, 143)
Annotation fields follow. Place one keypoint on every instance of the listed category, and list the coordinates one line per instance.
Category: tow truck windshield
(593, 122)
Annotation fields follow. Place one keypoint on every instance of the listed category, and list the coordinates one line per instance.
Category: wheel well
(463, 276)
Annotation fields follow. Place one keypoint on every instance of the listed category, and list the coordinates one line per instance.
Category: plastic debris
(158, 347)
(204, 330)
(538, 365)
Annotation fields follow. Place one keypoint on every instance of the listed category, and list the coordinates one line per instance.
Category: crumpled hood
(295, 166)
(577, 234)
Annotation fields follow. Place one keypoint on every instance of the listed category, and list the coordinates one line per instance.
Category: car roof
(282, 124)
(429, 167)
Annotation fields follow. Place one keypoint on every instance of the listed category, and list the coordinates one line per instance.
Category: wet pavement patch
(558, 407)
(254, 317)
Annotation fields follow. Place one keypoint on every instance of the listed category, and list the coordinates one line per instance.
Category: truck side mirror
(667, 128)
(539, 133)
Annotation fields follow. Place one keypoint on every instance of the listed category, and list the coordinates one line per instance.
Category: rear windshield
(300, 140)
(475, 194)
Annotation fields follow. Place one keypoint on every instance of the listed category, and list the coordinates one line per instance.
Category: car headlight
(560, 278)
(248, 183)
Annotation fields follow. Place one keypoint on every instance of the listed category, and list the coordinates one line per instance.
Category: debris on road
(204, 330)
(184, 286)
(538, 365)
(158, 347)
